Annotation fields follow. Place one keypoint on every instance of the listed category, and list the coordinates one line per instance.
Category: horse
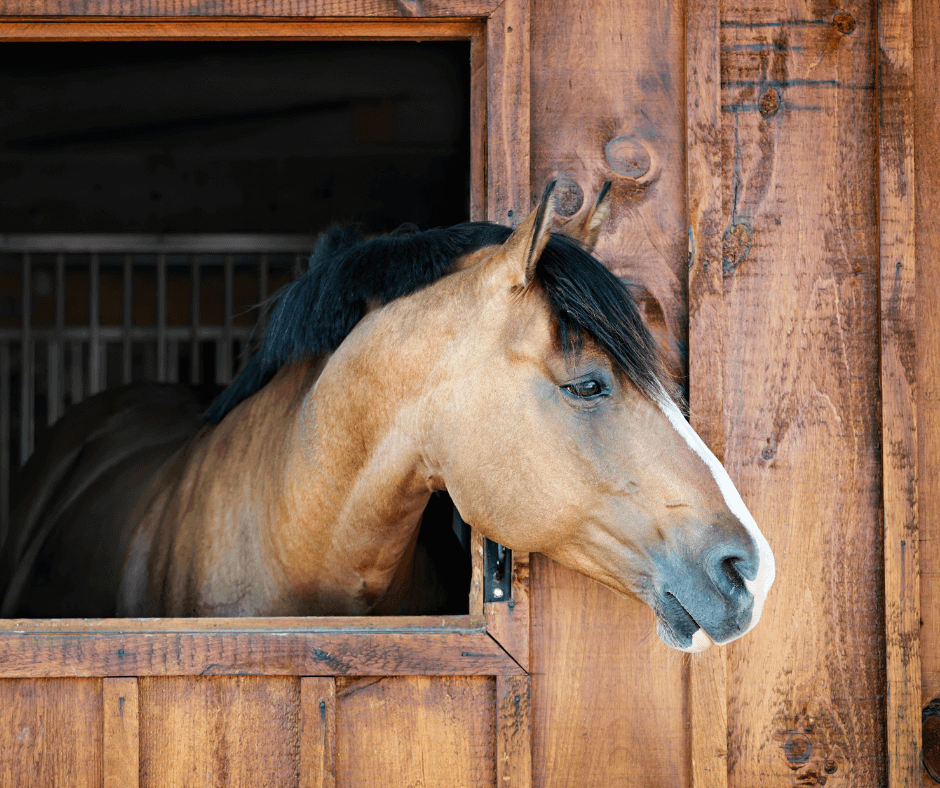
(506, 367)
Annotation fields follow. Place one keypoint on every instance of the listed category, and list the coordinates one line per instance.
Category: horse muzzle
(709, 591)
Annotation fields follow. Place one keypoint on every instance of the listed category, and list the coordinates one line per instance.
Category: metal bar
(120, 243)
(95, 376)
(172, 361)
(116, 333)
(56, 352)
(26, 363)
(194, 318)
(4, 442)
(223, 359)
(161, 318)
(78, 372)
(127, 318)
(263, 278)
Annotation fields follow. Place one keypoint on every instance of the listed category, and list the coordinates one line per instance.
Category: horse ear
(587, 227)
(519, 255)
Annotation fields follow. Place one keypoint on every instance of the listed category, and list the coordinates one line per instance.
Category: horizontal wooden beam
(219, 647)
(358, 29)
(249, 8)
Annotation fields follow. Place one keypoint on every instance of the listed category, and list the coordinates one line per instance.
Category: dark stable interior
(226, 137)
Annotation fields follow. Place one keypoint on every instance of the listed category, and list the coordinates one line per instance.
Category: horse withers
(509, 368)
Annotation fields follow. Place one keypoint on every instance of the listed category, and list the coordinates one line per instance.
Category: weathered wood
(507, 116)
(415, 731)
(608, 98)
(403, 9)
(708, 691)
(51, 732)
(898, 390)
(926, 25)
(121, 732)
(238, 730)
(508, 622)
(86, 29)
(609, 702)
(802, 400)
(181, 647)
(478, 95)
(318, 733)
(513, 732)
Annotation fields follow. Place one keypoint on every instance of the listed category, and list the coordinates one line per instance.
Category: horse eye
(585, 389)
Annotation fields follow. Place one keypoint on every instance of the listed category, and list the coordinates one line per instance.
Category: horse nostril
(730, 568)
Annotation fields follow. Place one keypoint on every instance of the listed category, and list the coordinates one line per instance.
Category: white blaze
(760, 585)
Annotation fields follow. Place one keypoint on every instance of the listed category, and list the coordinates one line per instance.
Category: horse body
(519, 379)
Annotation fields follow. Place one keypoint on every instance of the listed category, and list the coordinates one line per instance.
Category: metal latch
(497, 572)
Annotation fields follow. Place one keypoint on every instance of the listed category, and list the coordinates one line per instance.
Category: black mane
(315, 313)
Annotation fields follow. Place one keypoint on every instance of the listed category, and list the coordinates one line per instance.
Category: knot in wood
(568, 196)
(844, 23)
(769, 103)
(798, 748)
(628, 157)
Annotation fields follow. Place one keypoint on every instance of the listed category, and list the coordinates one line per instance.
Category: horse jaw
(766, 571)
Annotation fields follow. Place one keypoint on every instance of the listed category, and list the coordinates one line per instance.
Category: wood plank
(318, 733)
(508, 622)
(239, 730)
(41, 651)
(898, 389)
(121, 733)
(373, 624)
(927, 234)
(86, 29)
(416, 731)
(802, 397)
(513, 732)
(609, 700)
(508, 195)
(608, 104)
(51, 733)
(478, 84)
(708, 691)
(248, 8)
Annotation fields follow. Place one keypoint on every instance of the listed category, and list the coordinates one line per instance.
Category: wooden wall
(768, 161)
(795, 125)
(926, 31)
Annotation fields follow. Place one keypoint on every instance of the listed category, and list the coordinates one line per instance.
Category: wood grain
(105, 648)
(51, 733)
(120, 698)
(89, 29)
(608, 104)
(898, 390)
(248, 8)
(318, 733)
(708, 691)
(609, 703)
(609, 700)
(802, 399)
(508, 622)
(415, 731)
(478, 95)
(513, 732)
(926, 26)
(241, 730)
(507, 119)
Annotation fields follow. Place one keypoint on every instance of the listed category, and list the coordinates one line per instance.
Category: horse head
(550, 423)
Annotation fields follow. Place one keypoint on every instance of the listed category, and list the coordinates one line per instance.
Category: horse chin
(699, 641)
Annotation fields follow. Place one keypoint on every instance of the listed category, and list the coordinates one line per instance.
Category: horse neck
(355, 482)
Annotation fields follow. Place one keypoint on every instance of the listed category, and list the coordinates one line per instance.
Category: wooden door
(763, 164)
(307, 702)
